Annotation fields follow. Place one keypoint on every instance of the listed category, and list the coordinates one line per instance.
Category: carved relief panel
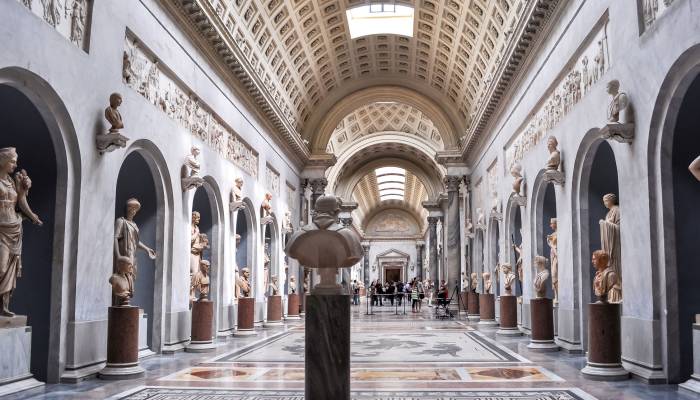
(71, 18)
(272, 180)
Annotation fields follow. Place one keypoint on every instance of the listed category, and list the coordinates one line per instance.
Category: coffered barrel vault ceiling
(297, 57)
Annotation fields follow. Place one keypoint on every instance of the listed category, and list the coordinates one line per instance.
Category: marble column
(452, 226)
(346, 273)
(433, 254)
(365, 272)
(318, 189)
(419, 259)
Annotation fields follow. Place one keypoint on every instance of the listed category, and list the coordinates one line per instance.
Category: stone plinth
(509, 316)
(202, 321)
(693, 384)
(122, 344)
(473, 306)
(542, 320)
(16, 350)
(604, 345)
(327, 350)
(487, 309)
(274, 311)
(293, 306)
(464, 302)
(246, 317)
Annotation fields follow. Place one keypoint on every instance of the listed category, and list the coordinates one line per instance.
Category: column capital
(432, 221)
(346, 221)
(452, 182)
(318, 185)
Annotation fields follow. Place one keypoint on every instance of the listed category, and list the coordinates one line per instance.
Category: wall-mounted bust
(266, 210)
(190, 171)
(112, 139)
(237, 196)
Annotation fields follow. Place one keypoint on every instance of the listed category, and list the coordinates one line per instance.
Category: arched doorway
(48, 150)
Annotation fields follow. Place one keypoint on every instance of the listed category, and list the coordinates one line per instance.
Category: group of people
(391, 292)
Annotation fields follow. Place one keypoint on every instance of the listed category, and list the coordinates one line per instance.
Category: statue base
(604, 344)
(473, 306)
(246, 317)
(16, 350)
(518, 200)
(274, 311)
(542, 322)
(623, 133)
(692, 385)
(202, 320)
(266, 220)
(327, 348)
(553, 176)
(293, 306)
(122, 344)
(464, 301)
(191, 182)
(110, 141)
(487, 310)
(509, 316)
(234, 206)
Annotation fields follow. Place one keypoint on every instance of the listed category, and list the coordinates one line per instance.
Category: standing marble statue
(126, 237)
(519, 260)
(13, 209)
(694, 168)
(541, 277)
(196, 245)
(287, 222)
(190, 178)
(610, 234)
(237, 196)
(243, 283)
(438, 235)
(122, 281)
(487, 282)
(273, 287)
(200, 282)
(606, 283)
(266, 210)
(508, 278)
(113, 139)
(292, 285)
(516, 171)
(480, 218)
(554, 258)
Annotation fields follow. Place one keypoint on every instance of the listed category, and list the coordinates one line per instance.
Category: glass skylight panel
(391, 183)
(391, 197)
(380, 18)
(390, 170)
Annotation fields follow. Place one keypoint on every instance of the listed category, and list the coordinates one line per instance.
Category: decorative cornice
(529, 32)
(324, 160)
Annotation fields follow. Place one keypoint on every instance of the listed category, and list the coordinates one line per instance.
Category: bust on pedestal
(327, 245)
(246, 305)
(202, 312)
(509, 305)
(112, 139)
(487, 303)
(552, 171)
(274, 303)
(541, 311)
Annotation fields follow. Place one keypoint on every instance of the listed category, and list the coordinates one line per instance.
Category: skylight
(391, 183)
(380, 18)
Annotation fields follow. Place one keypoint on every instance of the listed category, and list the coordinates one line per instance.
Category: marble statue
(326, 244)
(541, 277)
(519, 260)
(266, 210)
(619, 110)
(292, 285)
(487, 282)
(695, 168)
(200, 282)
(196, 245)
(113, 139)
(606, 283)
(469, 227)
(287, 222)
(474, 282)
(552, 171)
(554, 258)
(243, 283)
(495, 204)
(516, 171)
(266, 265)
(126, 238)
(78, 18)
(508, 278)
(438, 235)
(480, 218)
(13, 209)
(122, 282)
(237, 196)
(273, 287)
(190, 171)
(610, 234)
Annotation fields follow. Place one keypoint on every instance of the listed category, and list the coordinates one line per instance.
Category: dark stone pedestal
(327, 351)
(473, 306)
(274, 311)
(122, 344)
(463, 302)
(293, 306)
(246, 317)
(542, 322)
(604, 346)
(202, 320)
(509, 316)
(487, 310)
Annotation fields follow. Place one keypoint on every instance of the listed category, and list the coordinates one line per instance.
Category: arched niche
(514, 236)
(544, 208)
(494, 253)
(595, 175)
(245, 225)
(271, 248)
(27, 102)
(478, 256)
(674, 197)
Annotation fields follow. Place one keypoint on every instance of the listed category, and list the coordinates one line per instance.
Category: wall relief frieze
(650, 10)
(272, 180)
(582, 72)
(142, 72)
(70, 18)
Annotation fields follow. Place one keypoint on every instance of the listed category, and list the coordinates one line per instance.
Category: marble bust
(619, 110)
(465, 282)
(508, 278)
(112, 139)
(243, 283)
(266, 210)
(200, 282)
(474, 282)
(237, 196)
(198, 243)
(554, 258)
(552, 169)
(610, 234)
(516, 171)
(122, 282)
(273, 287)
(287, 222)
(14, 207)
(694, 168)
(495, 204)
(541, 277)
(325, 244)
(606, 284)
(480, 218)
(190, 171)
(292, 285)
(126, 237)
(487, 282)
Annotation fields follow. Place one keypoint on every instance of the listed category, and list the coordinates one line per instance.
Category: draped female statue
(610, 234)
(126, 238)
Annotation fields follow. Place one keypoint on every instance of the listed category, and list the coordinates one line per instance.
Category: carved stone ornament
(236, 203)
(480, 219)
(190, 171)
(112, 139)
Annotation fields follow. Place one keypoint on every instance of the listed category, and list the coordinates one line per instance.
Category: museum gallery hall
(349, 199)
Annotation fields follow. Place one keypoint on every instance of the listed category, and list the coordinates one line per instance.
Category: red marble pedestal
(202, 321)
(246, 317)
(509, 316)
(487, 309)
(542, 325)
(122, 344)
(463, 302)
(473, 306)
(274, 311)
(293, 306)
(604, 343)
